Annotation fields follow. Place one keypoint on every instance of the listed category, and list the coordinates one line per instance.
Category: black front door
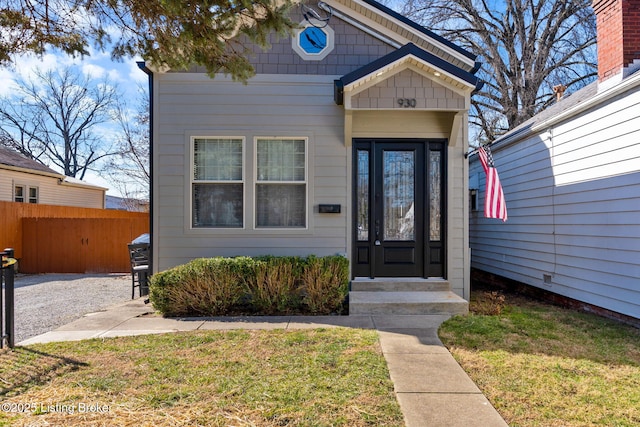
(398, 204)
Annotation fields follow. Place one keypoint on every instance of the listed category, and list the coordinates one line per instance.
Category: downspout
(553, 201)
(148, 72)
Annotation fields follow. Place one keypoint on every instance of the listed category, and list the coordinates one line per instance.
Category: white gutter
(371, 32)
(75, 182)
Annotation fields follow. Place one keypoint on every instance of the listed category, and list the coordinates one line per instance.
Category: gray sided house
(571, 178)
(349, 140)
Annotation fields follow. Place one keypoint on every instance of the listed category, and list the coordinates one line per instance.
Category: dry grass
(541, 365)
(234, 378)
(487, 302)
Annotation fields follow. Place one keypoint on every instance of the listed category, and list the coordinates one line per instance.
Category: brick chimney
(618, 24)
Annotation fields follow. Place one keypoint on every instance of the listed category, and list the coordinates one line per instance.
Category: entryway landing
(404, 296)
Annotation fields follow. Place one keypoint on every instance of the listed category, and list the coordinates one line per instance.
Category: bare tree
(129, 169)
(53, 118)
(526, 47)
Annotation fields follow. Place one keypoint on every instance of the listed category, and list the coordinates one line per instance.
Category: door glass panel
(435, 195)
(398, 168)
(362, 194)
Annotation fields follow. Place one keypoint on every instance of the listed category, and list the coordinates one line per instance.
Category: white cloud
(93, 71)
(135, 73)
(7, 79)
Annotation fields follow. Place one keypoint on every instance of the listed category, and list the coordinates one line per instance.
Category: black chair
(139, 257)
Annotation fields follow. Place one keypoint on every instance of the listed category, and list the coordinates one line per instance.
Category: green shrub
(262, 285)
(202, 287)
(326, 283)
(273, 286)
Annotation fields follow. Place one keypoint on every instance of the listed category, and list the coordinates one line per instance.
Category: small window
(281, 183)
(18, 193)
(217, 183)
(33, 194)
(313, 40)
(313, 43)
(24, 194)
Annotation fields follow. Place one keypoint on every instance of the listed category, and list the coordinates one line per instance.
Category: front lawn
(324, 377)
(541, 365)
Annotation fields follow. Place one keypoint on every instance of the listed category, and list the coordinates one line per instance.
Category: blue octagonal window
(313, 43)
(312, 40)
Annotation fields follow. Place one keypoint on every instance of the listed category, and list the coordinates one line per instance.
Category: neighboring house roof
(79, 183)
(587, 97)
(12, 158)
(123, 204)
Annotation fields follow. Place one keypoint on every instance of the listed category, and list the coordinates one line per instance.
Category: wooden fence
(64, 239)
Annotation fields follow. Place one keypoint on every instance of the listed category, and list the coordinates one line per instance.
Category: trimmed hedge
(243, 285)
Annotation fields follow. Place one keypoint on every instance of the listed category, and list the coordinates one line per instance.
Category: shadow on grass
(525, 325)
(23, 368)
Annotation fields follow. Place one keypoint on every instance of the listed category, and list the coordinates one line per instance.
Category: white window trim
(305, 182)
(193, 181)
(15, 188)
(295, 42)
(26, 193)
(37, 195)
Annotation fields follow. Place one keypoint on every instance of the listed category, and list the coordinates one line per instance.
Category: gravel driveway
(44, 302)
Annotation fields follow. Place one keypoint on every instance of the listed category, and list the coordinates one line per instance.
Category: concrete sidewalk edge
(430, 386)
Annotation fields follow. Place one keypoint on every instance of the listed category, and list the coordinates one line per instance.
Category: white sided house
(349, 140)
(571, 178)
(27, 181)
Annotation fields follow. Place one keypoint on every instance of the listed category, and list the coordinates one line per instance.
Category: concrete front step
(399, 284)
(406, 303)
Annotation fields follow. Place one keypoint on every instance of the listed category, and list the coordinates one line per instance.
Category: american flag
(495, 205)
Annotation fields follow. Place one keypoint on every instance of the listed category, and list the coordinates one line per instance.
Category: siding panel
(193, 105)
(573, 194)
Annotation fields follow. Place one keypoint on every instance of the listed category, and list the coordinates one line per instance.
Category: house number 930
(407, 102)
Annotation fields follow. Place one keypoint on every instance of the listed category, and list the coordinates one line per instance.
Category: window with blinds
(281, 183)
(218, 183)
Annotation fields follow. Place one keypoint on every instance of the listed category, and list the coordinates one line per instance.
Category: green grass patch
(542, 365)
(323, 377)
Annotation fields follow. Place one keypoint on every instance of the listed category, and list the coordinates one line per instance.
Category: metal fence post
(2, 257)
(8, 272)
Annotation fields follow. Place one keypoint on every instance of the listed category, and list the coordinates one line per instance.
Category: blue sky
(125, 74)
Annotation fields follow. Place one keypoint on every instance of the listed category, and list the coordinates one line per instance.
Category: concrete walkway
(430, 386)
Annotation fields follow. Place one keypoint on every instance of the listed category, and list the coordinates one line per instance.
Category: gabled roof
(420, 28)
(400, 30)
(409, 50)
(12, 158)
